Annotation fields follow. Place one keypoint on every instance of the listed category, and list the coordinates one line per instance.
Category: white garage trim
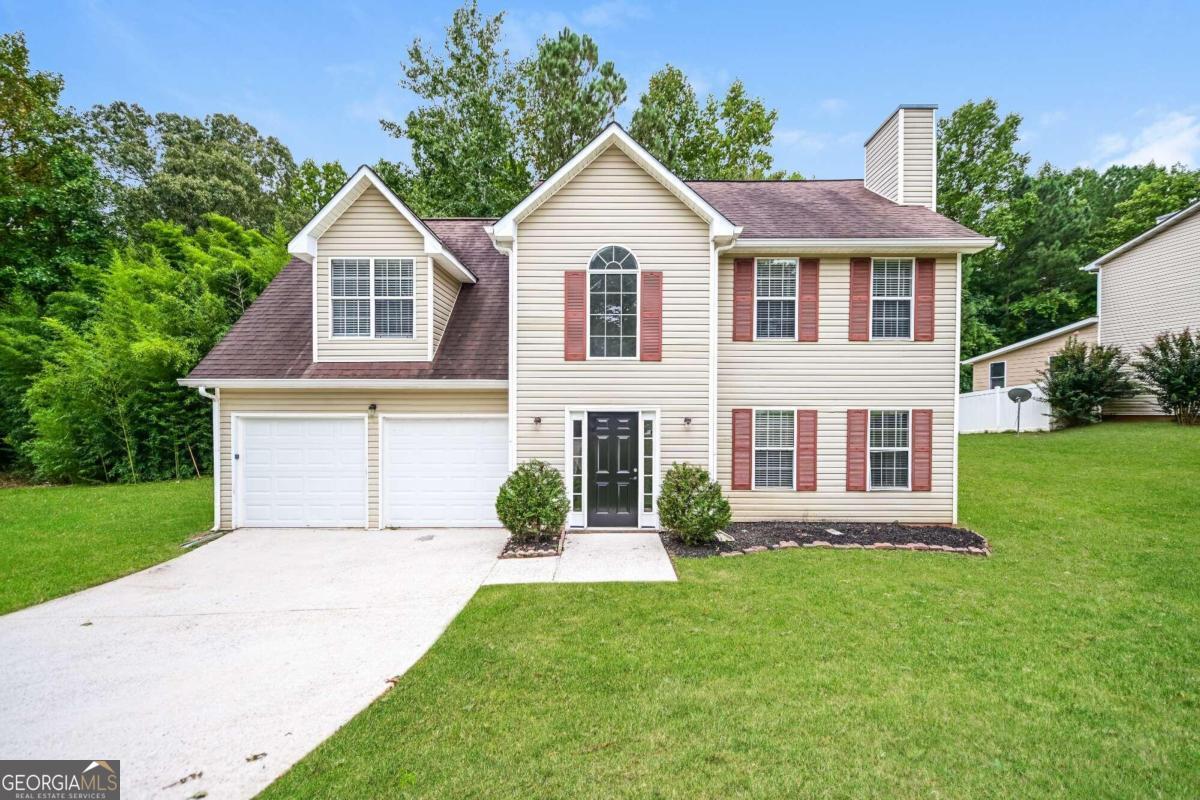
(237, 433)
(384, 450)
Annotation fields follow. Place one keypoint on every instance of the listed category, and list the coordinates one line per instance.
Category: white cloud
(612, 14)
(833, 105)
(522, 30)
(802, 140)
(1172, 138)
(1049, 119)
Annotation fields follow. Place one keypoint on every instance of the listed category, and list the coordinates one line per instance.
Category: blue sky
(1097, 82)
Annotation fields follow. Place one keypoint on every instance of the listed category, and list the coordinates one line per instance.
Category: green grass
(1068, 664)
(58, 540)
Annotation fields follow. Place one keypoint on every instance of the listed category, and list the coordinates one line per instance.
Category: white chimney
(901, 157)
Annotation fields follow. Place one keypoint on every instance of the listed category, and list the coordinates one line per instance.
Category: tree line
(130, 241)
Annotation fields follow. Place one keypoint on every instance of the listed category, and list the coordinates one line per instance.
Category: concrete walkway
(592, 558)
(231, 662)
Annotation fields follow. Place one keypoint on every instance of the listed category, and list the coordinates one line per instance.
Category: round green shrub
(690, 504)
(532, 503)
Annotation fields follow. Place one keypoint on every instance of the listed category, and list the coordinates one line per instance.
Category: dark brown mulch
(838, 534)
(535, 549)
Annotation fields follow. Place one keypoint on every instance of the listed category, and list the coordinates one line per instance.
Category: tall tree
(1165, 192)
(725, 139)
(50, 201)
(565, 96)
(463, 136)
(177, 168)
(313, 185)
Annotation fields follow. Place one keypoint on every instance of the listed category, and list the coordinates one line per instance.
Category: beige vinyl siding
(1024, 363)
(341, 401)
(445, 292)
(612, 201)
(834, 375)
(1151, 289)
(372, 228)
(882, 169)
(920, 154)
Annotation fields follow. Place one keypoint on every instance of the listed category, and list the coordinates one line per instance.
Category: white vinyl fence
(991, 410)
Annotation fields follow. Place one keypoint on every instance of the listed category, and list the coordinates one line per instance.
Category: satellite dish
(1019, 394)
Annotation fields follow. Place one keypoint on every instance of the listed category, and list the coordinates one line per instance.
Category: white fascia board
(1041, 337)
(966, 246)
(343, 383)
(1169, 222)
(304, 244)
(719, 227)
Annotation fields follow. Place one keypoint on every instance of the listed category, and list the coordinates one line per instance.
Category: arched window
(613, 303)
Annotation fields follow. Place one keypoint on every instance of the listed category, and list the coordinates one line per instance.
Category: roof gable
(614, 136)
(1169, 222)
(304, 244)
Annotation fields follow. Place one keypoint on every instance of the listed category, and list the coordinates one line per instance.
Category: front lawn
(1064, 665)
(58, 540)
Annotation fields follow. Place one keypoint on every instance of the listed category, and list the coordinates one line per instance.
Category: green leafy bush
(1170, 368)
(1083, 378)
(532, 503)
(691, 505)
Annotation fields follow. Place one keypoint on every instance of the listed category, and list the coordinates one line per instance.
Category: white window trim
(646, 519)
(912, 301)
(794, 298)
(1004, 379)
(372, 297)
(754, 487)
(908, 487)
(637, 318)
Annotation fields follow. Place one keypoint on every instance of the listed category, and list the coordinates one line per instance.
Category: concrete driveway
(233, 661)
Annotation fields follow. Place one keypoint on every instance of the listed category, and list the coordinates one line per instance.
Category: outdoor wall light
(371, 410)
(537, 420)
(687, 421)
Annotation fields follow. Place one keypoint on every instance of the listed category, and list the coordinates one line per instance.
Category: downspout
(216, 451)
(713, 345)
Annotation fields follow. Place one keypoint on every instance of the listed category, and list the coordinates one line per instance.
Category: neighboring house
(1148, 286)
(798, 339)
(1018, 364)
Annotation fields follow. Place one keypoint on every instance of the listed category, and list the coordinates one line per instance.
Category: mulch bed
(756, 537)
(535, 549)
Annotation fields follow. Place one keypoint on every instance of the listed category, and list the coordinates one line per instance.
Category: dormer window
(613, 304)
(372, 297)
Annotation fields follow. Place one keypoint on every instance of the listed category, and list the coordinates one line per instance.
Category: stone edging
(933, 548)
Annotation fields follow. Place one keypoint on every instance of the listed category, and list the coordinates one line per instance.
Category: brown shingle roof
(273, 339)
(821, 210)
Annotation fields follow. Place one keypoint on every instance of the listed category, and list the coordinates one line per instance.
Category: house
(798, 339)
(1146, 287)
(1018, 364)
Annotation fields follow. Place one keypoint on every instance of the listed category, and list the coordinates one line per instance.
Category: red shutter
(743, 447)
(922, 449)
(743, 300)
(808, 301)
(651, 316)
(856, 450)
(806, 450)
(860, 299)
(575, 315)
(923, 294)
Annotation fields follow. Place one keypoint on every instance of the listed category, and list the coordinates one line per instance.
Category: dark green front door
(612, 469)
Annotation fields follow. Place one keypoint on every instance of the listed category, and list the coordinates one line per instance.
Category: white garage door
(443, 472)
(302, 472)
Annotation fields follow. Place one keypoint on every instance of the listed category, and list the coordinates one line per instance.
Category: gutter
(443, 384)
(965, 245)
